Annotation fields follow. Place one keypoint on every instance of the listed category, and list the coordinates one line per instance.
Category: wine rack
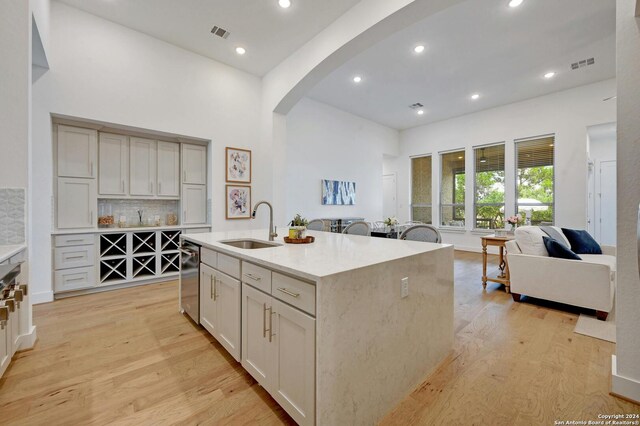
(138, 255)
(113, 270)
(143, 266)
(143, 242)
(113, 244)
(169, 240)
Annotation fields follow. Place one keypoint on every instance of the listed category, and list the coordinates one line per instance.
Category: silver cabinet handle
(184, 179)
(74, 257)
(215, 288)
(253, 277)
(91, 216)
(69, 280)
(264, 321)
(150, 188)
(91, 169)
(211, 287)
(271, 333)
(123, 186)
(75, 241)
(184, 216)
(290, 293)
(159, 188)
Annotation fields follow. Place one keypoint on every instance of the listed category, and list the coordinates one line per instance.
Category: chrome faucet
(272, 230)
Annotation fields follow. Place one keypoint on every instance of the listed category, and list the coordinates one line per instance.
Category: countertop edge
(109, 230)
(287, 270)
(12, 250)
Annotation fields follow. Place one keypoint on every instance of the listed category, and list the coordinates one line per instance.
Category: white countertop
(7, 251)
(132, 229)
(330, 253)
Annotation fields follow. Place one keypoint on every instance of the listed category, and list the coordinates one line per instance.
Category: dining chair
(426, 233)
(316, 225)
(358, 228)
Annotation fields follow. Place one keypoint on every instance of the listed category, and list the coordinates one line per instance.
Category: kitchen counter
(129, 229)
(382, 319)
(330, 253)
(7, 252)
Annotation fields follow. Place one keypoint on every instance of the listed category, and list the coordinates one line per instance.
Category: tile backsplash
(129, 208)
(12, 216)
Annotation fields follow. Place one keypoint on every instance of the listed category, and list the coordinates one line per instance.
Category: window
(489, 187)
(535, 180)
(421, 189)
(452, 189)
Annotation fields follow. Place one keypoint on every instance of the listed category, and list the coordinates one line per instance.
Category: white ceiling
(268, 33)
(479, 46)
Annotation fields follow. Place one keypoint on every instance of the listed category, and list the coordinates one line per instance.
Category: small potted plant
(391, 222)
(298, 227)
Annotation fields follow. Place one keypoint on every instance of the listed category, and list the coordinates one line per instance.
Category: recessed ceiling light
(420, 112)
(460, 157)
(419, 48)
(550, 144)
(475, 96)
(550, 74)
(284, 3)
(515, 3)
(357, 79)
(240, 50)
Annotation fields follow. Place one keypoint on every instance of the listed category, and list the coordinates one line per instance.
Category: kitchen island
(329, 328)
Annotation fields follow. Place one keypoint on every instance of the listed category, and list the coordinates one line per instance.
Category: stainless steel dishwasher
(190, 279)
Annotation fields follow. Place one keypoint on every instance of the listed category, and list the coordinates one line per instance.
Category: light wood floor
(128, 357)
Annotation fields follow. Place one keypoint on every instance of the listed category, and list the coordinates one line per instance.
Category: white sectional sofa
(588, 283)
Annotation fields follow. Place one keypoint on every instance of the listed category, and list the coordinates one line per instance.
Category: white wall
(626, 380)
(103, 71)
(566, 114)
(15, 63)
(326, 143)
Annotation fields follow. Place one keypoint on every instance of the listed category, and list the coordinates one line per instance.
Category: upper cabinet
(113, 173)
(77, 152)
(76, 203)
(194, 164)
(142, 171)
(168, 169)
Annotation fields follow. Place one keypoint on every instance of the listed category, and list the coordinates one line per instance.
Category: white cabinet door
(194, 164)
(113, 173)
(142, 170)
(207, 299)
(256, 309)
(168, 169)
(77, 151)
(227, 299)
(76, 203)
(293, 363)
(5, 357)
(194, 204)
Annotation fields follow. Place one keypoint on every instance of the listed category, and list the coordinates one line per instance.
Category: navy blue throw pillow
(559, 250)
(581, 242)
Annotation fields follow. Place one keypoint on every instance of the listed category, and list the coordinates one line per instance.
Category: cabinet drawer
(74, 240)
(74, 257)
(74, 279)
(229, 265)
(209, 257)
(297, 293)
(256, 276)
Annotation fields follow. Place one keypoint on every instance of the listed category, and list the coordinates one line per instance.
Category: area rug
(592, 327)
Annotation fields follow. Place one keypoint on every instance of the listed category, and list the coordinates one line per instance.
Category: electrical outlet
(404, 287)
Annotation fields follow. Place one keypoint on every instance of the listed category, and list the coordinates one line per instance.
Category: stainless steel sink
(250, 244)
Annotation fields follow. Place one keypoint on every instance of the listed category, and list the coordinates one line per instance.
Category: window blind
(535, 153)
(421, 180)
(489, 159)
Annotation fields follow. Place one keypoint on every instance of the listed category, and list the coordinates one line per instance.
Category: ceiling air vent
(220, 32)
(583, 63)
(416, 105)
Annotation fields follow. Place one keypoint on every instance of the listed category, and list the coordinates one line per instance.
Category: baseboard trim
(43, 297)
(623, 387)
(27, 341)
(490, 250)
